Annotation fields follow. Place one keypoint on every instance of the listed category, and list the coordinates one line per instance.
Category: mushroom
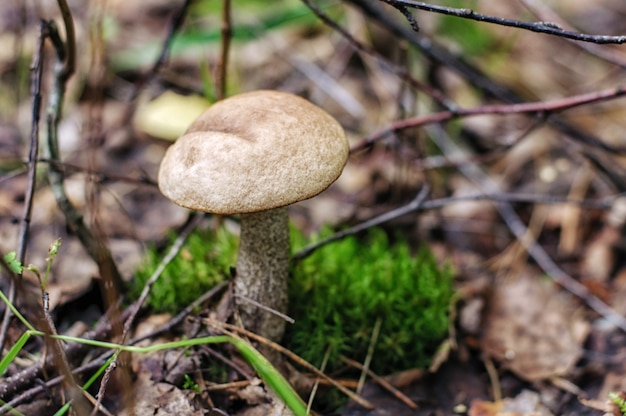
(253, 154)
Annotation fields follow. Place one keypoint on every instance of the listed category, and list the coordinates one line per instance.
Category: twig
(365, 368)
(316, 384)
(548, 28)
(48, 30)
(381, 382)
(543, 11)
(29, 394)
(96, 248)
(98, 177)
(494, 378)
(178, 319)
(22, 379)
(326, 83)
(476, 77)
(541, 107)
(281, 315)
(37, 69)
(111, 286)
(412, 206)
(603, 204)
(37, 72)
(13, 174)
(405, 12)
(68, 54)
(225, 328)
(400, 71)
(106, 377)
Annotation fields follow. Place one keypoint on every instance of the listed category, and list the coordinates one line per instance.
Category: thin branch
(604, 204)
(471, 74)
(424, 205)
(543, 11)
(69, 60)
(412, 206)
(37, 72)
(547, 28)
(401, 71)
(26, 377)
(382, 382)
(365, 368)
(37, 69)
(541, 107)
(96, 249)
(405, 12)
(98, 177)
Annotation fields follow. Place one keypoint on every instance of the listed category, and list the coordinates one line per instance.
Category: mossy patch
(203, 262)
(335, 296)
(339, 292)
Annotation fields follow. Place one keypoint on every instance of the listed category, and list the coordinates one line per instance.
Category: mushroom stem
(262, 271)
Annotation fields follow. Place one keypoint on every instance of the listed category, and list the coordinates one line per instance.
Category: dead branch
(548, 28)
(412, 206)
(541, 107)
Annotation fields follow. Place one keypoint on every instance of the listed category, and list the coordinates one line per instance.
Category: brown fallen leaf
(160, 399)
(533, 329)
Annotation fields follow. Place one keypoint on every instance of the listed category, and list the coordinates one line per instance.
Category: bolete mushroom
(253, 154)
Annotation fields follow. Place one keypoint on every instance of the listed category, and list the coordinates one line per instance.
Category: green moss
(338, 293)
(203, 262)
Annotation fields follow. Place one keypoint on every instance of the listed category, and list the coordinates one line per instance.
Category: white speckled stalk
(262, 271)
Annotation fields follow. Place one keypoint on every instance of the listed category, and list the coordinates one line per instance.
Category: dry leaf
(532, 329)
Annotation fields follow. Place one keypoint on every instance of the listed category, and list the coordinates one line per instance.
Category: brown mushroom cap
(253, 152)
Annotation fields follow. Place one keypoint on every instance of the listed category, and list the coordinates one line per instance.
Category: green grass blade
(97, 374)
(17, 313)
(15, 349)
(63, 410)
(270, 375)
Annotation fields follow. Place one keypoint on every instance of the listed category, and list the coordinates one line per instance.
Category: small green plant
(340, 291)
(268, 373)
(190, 384)
(618, 400)
(202, 263)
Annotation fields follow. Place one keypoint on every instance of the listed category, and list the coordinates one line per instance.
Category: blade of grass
(16, 312)
(266, 371)
(270, 375)
(15, 349)
(63, 410)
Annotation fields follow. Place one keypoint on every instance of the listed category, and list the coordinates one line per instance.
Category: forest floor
(525, 204)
